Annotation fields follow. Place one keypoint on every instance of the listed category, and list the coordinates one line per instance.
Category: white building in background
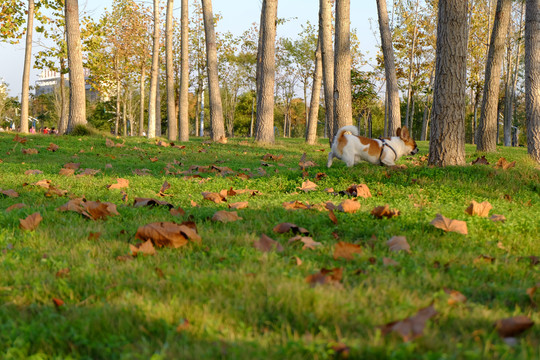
(49, 80)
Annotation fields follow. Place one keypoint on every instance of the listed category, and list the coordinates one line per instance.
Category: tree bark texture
(217, 124)
(154, 75)
(342, 66)
(63, 121)
(447, 136)
(487, 125)
(184, 73)
(77, 91)
(265, 98)
(411, 59)
(172, 120)
(532, 77)
(141, 104)
(392, 90)
(158, 105)
(25, 91)
(327, 49)
(311, 136)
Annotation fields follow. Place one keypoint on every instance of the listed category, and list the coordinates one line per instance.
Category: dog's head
(404, 135)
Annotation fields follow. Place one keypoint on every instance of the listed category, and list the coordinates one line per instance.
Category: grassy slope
(241, 303)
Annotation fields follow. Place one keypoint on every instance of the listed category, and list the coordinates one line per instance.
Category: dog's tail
(351, 128)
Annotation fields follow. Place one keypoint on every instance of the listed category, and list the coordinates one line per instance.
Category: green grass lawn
(224, 298)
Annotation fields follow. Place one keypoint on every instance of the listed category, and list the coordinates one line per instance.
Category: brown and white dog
(352, 148)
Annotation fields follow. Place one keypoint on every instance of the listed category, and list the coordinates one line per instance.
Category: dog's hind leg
(330, 158)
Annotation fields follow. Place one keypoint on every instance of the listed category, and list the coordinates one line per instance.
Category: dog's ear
(404, 133)
(398, 132)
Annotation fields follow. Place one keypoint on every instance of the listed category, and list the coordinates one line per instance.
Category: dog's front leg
(330, 158)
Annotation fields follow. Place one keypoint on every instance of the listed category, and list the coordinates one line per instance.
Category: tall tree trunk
(392, 90)
(252, 116)
(117, 118)
(311, 136)
(62, 125)
(184, 73)
(158, 105)
(325, 34)
(265, 98)
(154, 75)
(447, 136)
(141, 104)
(487, 126)
(25, 91)
(342, 66)
(217, 124)
(258, 69)
(77, 91)
(171, 105)
(532, 77)
(425, 119)
(124, 116)
(201, 118)
(411, 58)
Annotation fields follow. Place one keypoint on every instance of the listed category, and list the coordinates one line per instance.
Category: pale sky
(237, 16)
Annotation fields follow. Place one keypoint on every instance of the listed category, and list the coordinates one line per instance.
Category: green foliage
(82, 130)
(235, 302)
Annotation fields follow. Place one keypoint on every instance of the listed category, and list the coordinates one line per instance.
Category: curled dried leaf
(267, 244)
(168, 234)
(447, 224)
(226, 216)
(308, 242)
(481, 209)
(326, 277)
(411, 327)
(349, 206)
(398, 243)
(513, 326)
(31, 222)
(286, 227)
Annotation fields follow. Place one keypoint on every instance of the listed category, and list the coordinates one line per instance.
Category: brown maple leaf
(295, 205)
(447, 224)
(238, 205)
(513, 326)
(361, 190)
(9, 193)
(308, 242)
(286, 227)
(384, 211)
(29, 151)
(503, 164)
(33, 172)
(398, 243)
(15, 206)
(411, 327)
(145, 248)
(31, 222)
(120, 184)
(326, 277)
(267, 244)
(140, 202)
(58, 302)
(226, 216)
(308, 186)
(349, 206)
(480, 209)
(53, 147)
(213, 196)
(20, 140)
(168, 234)
(346, 250)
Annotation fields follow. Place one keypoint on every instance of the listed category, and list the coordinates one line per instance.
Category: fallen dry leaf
(411, 327)
(62, 273)
(120, 184)
(73, 166)
(58, 302)
(168, 234)
(398, 243)
(483, 259)
(480, 161)
(308, 186)
(326, 277)
(384, 211)
(110, 143)
(53, 190)
(215, 197)
(145, 248)
(361, 190)
(503, 164)
(88, 172)
(481, 209)
(94, 210)
(10, 193)
(496, 217)
(141, 172)
(166, 186)
(33, 172)
(332, 216)
(15, 206)
(53, 147)
(295, 205)
(29, 151)
(389, 262)
(19, 139)
(266, 244)
(447, 224)
(239, 205)
(94, 235)
(44, 183)
(139, 202)
(346, 250)
(286, 227)
(298, 261)
(177, 212)
(226, 216)
(513, 326)
(272, 157)
(349, 206)
(531, 291)
(31, 222)
(308, 242)
(66, 172)
(455, 297)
